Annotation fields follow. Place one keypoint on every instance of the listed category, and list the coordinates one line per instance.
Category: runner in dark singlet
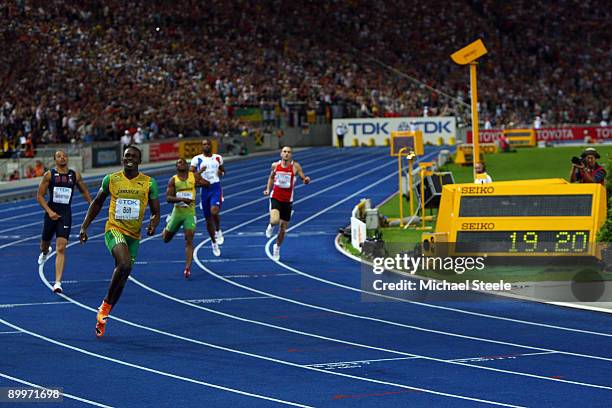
(59, 183)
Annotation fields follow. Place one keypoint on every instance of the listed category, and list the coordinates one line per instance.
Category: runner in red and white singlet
(282, 184)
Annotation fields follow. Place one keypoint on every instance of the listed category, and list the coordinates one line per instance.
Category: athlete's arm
(40, 196)
(154, 207)
(94, 208)
(298, 169)
(193, 167)
(270, 180)
(198, 176)
(221, 169)
(83, 188)
(171, 192)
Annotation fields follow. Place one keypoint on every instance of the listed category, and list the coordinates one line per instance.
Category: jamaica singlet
(129, 198)
(185, 189)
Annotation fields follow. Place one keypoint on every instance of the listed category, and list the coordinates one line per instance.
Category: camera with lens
(577, 160)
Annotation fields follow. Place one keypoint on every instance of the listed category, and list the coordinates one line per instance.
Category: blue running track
(246, 331)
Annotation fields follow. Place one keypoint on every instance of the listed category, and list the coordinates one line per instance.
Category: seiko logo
(469, 226)
(477, 190)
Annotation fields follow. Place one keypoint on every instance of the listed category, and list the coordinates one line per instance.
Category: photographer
(586, 169)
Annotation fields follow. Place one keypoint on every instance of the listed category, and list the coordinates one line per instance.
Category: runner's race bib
(283, 180)
(184, 194)
(127, 209)
(61, 195)
(210, 173)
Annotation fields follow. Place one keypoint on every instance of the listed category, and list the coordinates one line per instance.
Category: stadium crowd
(88, 70)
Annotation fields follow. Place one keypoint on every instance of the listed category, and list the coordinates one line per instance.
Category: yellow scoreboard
(519, 218)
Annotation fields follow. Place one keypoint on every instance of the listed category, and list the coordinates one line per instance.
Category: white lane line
(334, 363)
(256, 161)
(503, 357)
(41, 276)
(260, 275)
(240, 175)
(12, 305)
(226, 198)
(219, 300)
(196, 259)
(10, 332)
(71, 396)
(317, 180)
(468, 312)
(227, 349)
(292, 269)
(143, 368)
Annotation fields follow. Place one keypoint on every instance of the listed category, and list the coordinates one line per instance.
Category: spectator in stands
(126, 139)
(139, 136)
(587, 170)
(14, 175)
(39, 169)
(537, 123)
(207, 57)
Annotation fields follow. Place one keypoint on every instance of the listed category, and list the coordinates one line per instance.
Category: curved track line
(199, 263)
(240, 175)
(151, 329)
(468, 312)
(143, 368)
(99, 220)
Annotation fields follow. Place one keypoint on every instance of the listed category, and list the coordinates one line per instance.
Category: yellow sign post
(469, 55)
(399, 177)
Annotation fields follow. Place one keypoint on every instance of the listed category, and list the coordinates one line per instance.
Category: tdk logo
(369, 128)
(127, 201)
(434, 127)
(469, 226)
(427, 126)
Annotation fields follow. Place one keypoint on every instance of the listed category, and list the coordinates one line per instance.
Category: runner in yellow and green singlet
(182, 192)
(130, 193)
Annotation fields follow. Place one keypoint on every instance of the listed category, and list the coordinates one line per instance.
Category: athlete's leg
(206, 210)
(44, 246)
(214, 211)
(48, 231)
(281, 232)
(210, 227)
(216, 197)
(123, 268)
(274, 217)
(62, 233)
(167, 235)
(189, 234)
(60, 257)
(124, 250)
(172, 227)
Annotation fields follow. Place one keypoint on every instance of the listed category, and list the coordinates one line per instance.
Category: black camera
(577, 160)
